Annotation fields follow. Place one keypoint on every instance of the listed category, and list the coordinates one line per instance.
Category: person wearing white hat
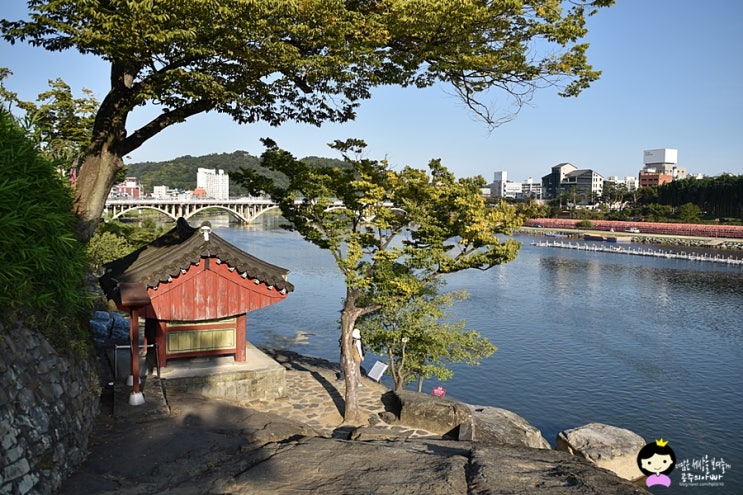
(358, 353)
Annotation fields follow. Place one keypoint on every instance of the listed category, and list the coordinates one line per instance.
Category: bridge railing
(197, 201)
(245, 209)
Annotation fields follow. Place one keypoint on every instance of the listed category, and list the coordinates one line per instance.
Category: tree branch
(161, 122)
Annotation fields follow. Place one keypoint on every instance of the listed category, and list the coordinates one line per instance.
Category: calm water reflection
(648, 344)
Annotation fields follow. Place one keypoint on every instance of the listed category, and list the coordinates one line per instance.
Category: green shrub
(105, 247)
(584, 224)
(42, 266)
(113, 240)
(731, 221)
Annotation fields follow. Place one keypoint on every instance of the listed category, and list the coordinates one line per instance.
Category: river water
(648, 344)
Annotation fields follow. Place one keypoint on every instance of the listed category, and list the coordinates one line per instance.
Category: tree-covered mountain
(180, 173)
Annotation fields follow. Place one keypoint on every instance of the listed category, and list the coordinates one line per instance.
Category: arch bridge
(244, 209)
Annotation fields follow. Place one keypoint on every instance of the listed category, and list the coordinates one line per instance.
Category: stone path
(192, 444)
(315, 397)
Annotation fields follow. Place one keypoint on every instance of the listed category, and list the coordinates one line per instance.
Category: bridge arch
(243, 209)
(217, 207)
(122, 212)
(245, 219)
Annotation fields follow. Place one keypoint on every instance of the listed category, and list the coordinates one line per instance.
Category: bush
(42, 266)
(113, 240)
(731, 221)
(584, 224)
(105, 247)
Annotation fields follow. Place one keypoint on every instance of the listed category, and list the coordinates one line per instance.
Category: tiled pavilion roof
(173, 253)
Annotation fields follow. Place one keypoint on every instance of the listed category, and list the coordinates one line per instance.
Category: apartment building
(216, 184)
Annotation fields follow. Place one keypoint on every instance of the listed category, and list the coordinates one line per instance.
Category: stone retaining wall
(47, 407)
(237, 386)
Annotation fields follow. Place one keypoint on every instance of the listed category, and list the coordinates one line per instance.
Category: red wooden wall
(208, 291)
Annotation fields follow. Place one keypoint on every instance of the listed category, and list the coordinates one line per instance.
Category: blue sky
(672, 78)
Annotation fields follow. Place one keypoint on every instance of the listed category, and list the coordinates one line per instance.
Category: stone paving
(315, 397)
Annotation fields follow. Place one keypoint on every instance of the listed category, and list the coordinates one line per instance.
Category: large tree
(308, 61)
(391, 233)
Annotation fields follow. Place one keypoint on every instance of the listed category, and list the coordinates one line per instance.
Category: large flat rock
(494, 425)
(318, 465)
(212, 446)
(606, 446)
(506, 469)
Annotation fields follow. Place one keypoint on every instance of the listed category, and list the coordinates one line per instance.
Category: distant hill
(180, 173)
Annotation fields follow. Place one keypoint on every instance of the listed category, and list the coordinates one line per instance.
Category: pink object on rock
(438, 391)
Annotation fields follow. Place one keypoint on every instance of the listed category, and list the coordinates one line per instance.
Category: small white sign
(377, 371)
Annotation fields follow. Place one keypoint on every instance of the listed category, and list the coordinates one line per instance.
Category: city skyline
(648, 165)
(660, 88)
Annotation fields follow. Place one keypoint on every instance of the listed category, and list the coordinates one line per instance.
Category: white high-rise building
(498, 187)
(661, 160)
(504, 188)
(216, 184)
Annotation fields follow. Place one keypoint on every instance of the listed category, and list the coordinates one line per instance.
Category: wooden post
(160, 338)
(134, 339)
(240, 338)
(136, 398)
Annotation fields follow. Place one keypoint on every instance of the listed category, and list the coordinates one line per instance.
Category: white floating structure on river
(682, 255)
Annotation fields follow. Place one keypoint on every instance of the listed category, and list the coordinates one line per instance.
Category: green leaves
(392, 235)
(420, 340)
(61, 124)
(313, 61)
(309, 62)
(42, 266)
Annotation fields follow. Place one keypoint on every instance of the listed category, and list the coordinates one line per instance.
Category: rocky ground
(195, 445)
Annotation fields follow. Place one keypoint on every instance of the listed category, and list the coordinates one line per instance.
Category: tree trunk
(394, 370)
(94, 182)
(104, 157)
(352, 413)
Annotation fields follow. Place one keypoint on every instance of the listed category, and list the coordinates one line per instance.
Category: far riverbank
(642, 238)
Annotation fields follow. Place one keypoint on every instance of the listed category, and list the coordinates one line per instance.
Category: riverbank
(648, 252)
(697, 230)
(723, 244)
